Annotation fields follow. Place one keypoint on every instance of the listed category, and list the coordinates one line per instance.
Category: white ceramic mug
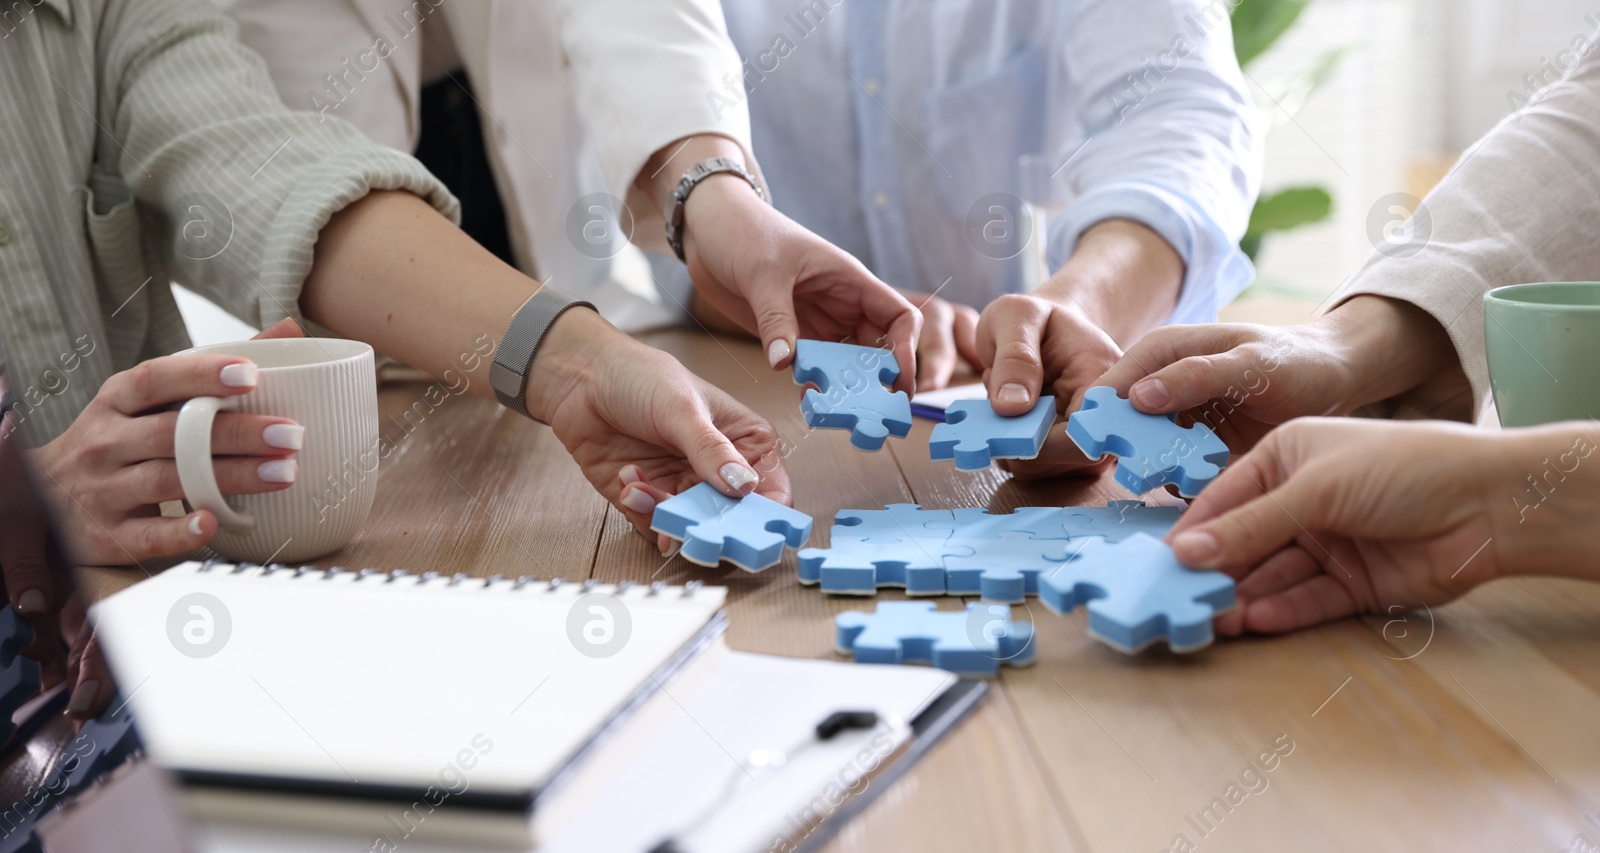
(326, 385)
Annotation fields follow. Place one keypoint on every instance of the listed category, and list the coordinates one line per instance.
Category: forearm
(389, 270)
(661, 172)
(1123, 275)
(1544, 497)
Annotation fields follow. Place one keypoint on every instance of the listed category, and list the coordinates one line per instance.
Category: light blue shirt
(882, 124)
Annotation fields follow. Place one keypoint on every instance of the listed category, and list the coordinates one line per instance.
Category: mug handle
(192, 447)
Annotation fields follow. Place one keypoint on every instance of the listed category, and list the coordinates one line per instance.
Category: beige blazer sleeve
(1522, 205)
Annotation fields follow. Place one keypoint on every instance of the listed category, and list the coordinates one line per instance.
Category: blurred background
(1412, 84)
(1365, 99)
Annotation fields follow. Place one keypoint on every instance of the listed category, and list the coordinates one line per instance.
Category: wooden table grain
(1470, 726)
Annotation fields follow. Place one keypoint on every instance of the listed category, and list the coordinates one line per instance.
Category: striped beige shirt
(140, 144)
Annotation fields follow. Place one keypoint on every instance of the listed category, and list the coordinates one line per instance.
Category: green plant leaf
(1257, 24)
(1250, 244)
(1290, 208)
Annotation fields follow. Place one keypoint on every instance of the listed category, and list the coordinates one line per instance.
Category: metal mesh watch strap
(508, 375)
(686, 184)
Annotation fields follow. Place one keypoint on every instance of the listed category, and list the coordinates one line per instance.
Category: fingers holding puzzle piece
(973, 435)
(852, 391)
(749, 532)
(1137, 593)
(1152, 450)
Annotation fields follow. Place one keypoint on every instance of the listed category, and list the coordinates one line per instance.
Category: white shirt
(883, 125)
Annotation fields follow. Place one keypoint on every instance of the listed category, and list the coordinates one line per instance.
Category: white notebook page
(398, 683)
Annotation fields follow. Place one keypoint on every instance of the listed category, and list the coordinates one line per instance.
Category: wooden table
(1474, 726)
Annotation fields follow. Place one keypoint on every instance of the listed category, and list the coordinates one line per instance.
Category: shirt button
(5, 234)
(880, 199)
(872, 86)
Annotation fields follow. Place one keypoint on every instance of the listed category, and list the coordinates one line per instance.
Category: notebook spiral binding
(655, 589)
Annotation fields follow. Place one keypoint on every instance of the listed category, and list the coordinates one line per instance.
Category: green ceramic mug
(1543, 343)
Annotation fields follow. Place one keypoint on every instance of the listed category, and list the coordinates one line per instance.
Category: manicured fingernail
(778, 351)
(83, 697)
(638, 500)
(278, 471)
(31, 601)
(284, 436)
(241, 375)
(669, 547)
(629, 475)
(194, 524)
(741, 478)
(1012, 392)
(1151, 393)
(1198, 548)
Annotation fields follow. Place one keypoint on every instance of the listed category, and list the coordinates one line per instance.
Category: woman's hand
(36, 579)
(641, 426)
(1328, 518)
(1242, 380)
(1031, 346)
(114, 465)
(771, 276)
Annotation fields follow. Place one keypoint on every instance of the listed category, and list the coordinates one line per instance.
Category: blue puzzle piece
(974, 642)
(1152, 449)
(972, 434)
(15, 634)
(1005, 569)
(21, 838)
(852, 391)
(964, 551)
(19, 676)
(1119, 520)
(1039, 522)
(895, 521)
(101, 746)
(749, 532)
(1115, 521)
(859, 567)
(1137, 593)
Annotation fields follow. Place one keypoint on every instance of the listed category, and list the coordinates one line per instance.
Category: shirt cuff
(323, 189)
(1215, 271)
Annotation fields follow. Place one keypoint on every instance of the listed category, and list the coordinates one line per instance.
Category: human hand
(773, 277)
(114, 465)
(1333, 517)
(1028, 344)
(948, 340)
(37, 577)
(1242, 380)
(641, 426)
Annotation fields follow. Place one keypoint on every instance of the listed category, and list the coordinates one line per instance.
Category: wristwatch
(508, 375)
(686, 184)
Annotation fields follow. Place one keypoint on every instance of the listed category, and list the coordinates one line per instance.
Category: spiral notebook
(390, 686)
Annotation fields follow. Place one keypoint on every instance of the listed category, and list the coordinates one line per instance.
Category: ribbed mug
(326, 385)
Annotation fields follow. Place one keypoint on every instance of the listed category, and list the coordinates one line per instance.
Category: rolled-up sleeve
(1518, 207)
(671, 72)
(1168, 140)
(234, 187)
